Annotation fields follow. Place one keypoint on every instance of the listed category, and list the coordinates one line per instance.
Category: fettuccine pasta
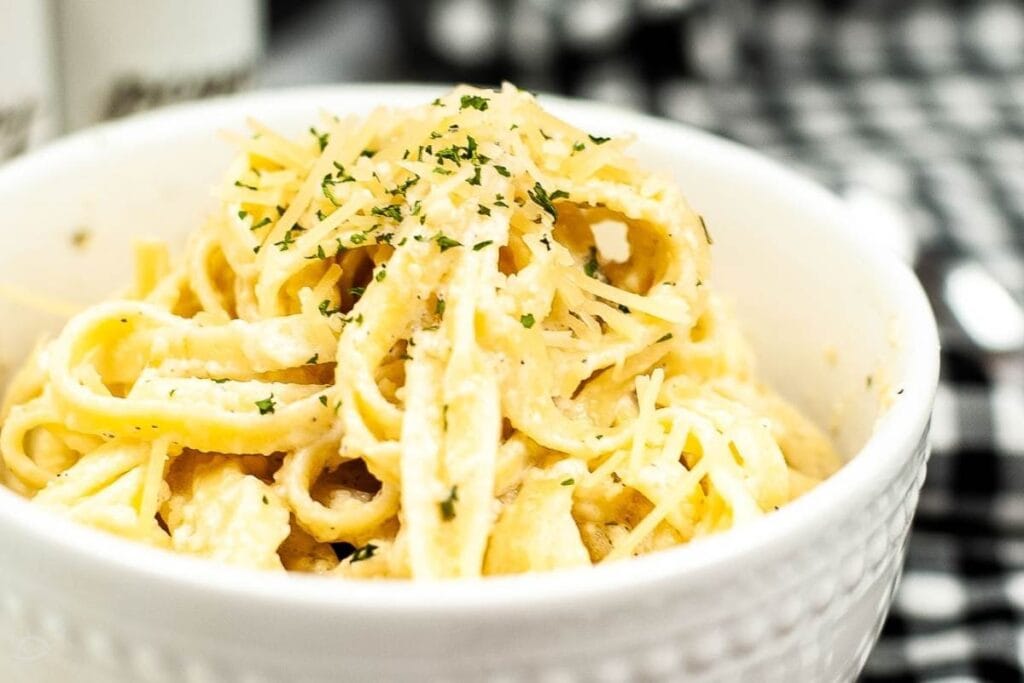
(461, 339)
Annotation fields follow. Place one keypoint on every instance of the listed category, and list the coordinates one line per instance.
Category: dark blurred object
(593, 47)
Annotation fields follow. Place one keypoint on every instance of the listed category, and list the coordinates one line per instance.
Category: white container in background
(119, 57)
(27, 108)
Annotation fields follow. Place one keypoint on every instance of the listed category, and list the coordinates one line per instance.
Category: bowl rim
(888, 449)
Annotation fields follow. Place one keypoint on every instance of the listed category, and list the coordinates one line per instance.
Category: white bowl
(800, 595)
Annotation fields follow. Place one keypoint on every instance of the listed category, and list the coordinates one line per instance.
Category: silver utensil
(974, 310)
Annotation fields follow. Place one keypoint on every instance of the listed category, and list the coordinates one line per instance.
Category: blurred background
(912, 110)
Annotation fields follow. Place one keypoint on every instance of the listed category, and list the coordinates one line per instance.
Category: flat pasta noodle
(400, 348)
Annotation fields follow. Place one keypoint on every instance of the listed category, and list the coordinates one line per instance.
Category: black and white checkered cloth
(922, 101)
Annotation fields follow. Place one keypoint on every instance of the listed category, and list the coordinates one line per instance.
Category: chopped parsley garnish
(499, 200)
(382, 273)
(321, 138)
(219, 380)
(341, 176)
(475, 101)
(591, 267)
(568, 482)
(239, 183)
(326, 186)
(320, 253)
(502, 171)
(401, 189)
(480, 245)
(439, 306)
(266, 405)
(357, 238)
(444, 242)
(483, 210)
(323, 399)
(527, 320)
(448, 505)
(368, 153)
(578, 147)
(242, 215)
(357, 292)
(392, 211)
(314, 359)
(285, 243)
(544, 200)
(543, 134)
(449, 154)
(257, 226)
(597, 140)
(475, 180)
(624, 308)
(664, 337)
(326, 310)
(364, 553)
(438, 102)
(442, 171)
(546, 242)
(707, 235)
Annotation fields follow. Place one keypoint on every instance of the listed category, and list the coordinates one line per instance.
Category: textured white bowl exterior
(799, 596)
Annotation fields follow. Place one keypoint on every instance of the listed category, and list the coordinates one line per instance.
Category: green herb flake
(480, 245)
(326, 310)
(439, 306)
(448, 505)
(357, 292)
(323, 399)
(475, 101)
(242, 215)
(321, 138)
(568, 482)
(286, 243)
(219, 380)
(527, 320)
(597, 140)
(382, 273)
(665, 337)
(239, 183)
(578, 147)
(591, 267)
(624, 308)
(392, 211)
(266, 405)
(257, 226)
(314, 359)
(483, 210)
(475, 180)
(502, 171)
(544, 200)
(445, 243)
